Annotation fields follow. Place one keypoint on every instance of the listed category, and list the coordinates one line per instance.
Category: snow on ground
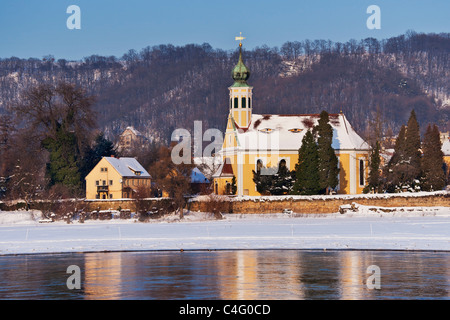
(420, 228)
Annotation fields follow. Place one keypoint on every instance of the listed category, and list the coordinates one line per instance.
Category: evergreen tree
(394, 172)
(412, 147)
(374, 182)
(272, 181)
(328, 162)
(404, 168)
(399, 148)
(262, 178)
(432, 160)
(93, 154)
(63, 165)
(233, 185)
(282, 181)
(306, 170)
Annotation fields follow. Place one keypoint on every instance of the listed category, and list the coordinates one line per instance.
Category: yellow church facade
(253, 140)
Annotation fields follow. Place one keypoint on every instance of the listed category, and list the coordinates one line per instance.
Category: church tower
(241, 93)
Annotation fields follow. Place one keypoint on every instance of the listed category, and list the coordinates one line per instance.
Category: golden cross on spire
(240, 38)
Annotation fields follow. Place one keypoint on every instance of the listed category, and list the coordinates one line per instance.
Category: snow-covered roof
(133, 130)
(285, 132)
(446, 148)
(225, 169)
(198, 177)
(128, 167)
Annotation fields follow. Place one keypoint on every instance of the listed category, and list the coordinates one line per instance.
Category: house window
(244, 102)
(97, 183)
(236, 102)
(97, 196)
(249, 102)
(361, 172)
(110, 196)
(110, 182)
(104, 182)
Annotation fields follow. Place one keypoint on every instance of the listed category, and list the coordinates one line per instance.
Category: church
(264, 140)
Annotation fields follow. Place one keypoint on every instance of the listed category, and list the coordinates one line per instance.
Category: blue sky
(31, 28)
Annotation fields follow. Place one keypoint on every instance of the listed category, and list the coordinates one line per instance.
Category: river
(237, 274)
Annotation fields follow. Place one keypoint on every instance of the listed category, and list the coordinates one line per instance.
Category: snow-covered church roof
(285, 132)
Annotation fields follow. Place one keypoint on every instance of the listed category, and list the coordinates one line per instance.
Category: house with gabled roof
(254, 141)
(116, 178)
(131, 139)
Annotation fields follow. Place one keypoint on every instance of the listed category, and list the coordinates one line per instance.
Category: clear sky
(34, 28)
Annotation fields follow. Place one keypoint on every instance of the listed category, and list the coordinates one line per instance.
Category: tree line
(160, 88)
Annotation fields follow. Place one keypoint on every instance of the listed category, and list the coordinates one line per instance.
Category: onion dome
(240, 73)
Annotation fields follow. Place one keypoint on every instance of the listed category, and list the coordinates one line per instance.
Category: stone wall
(86, 205)
(298, 204)
(327, 204)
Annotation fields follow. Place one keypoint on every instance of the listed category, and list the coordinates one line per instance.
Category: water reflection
(103, 276)
(250, 275)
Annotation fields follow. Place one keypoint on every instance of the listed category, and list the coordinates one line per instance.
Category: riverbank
(363, 228)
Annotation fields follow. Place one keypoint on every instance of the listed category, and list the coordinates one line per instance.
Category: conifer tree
(63, 165)
(412, 147)
(261, 180)
(404, 168)
(374, 182)
(432, 160)
(233, 185)
(273, 181)
(394, 172)
(328, 162)
(282, 180)
(399, 148)
(102, 147)
(306, 170)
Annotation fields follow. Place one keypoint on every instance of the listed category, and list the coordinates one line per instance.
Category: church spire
(240, 72)
(240, 92)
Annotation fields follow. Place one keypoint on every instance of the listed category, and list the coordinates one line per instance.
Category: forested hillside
(160, 88)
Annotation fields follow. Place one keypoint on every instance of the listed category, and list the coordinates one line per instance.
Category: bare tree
(46, 108)
(174, 180)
